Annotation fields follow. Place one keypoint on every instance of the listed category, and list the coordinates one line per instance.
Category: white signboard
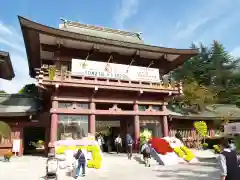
(114, 71)
(232, 128)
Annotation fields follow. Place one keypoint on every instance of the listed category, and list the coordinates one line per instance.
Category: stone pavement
(116, 167)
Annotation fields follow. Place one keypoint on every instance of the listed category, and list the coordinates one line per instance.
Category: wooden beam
(106, 112)
(151, 63)
(91, 52)
(85, 84)
(106, 100)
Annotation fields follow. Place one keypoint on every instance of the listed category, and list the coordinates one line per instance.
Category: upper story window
(82, 105)
(156, 108)
(65, 104)
(73, 105)
(142, 107)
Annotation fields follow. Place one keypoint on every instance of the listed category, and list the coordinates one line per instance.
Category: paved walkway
(115, 167)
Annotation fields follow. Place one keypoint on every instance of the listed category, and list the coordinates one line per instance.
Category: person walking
(146, 152)
(178, 135)
(81, 163)
(228, 161)
(129, 142)
(118, 143)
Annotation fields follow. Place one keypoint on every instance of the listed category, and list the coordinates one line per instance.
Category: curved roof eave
(24, 22)
(8, 72)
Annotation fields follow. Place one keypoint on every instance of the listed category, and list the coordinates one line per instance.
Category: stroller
(51, 168)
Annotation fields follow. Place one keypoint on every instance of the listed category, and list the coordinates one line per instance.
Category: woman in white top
(118, 143)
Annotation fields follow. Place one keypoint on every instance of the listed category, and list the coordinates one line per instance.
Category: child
(81, 163)
(146, 151)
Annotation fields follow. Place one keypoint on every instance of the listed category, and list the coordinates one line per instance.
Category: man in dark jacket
(81, 163)
(228, 161)
(129, 143)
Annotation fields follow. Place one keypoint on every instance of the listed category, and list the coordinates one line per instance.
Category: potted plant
(205, 146)
(8, 156)
(201, 128)
(217, 149)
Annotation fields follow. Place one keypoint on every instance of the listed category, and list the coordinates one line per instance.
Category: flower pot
(7, 158)
(205, 148)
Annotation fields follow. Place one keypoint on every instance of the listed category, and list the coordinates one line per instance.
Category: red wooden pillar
(54, 126)
(165, 123)
(165, 126)
(92, 120)
(136, 127)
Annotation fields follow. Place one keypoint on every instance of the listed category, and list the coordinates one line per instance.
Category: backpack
(147, 149)
(129, 140)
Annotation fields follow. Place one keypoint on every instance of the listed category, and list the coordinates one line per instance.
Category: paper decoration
(16, 145)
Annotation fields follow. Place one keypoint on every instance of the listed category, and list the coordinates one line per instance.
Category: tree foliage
(5, 130)
(214, 71)
(3, 92)
(201, 128)
(195, 96)
(29, 89)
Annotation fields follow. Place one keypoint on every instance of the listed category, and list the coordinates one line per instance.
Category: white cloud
(127, 9)
(236, 52)
(205, 22)
(11, 42)
(199, 21)
(5, 29)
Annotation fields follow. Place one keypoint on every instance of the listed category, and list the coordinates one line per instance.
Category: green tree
(195, 97)
(215, 69)
(3, 92)
(29, 89)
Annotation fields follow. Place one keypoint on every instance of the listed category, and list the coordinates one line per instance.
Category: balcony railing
(51, 74)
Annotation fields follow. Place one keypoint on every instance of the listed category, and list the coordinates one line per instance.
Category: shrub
(179, 152)
(237, 143)
(161, 146)
(201, 128)
(145, 136)
(8, 156)
(205, 145)
(217, 149)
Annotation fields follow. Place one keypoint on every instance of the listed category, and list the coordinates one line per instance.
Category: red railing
(47, 75)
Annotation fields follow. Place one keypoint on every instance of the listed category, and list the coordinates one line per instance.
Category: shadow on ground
(207, 169)
(186, 174)
(138, 159)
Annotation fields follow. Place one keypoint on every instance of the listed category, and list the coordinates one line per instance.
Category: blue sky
(169, 23)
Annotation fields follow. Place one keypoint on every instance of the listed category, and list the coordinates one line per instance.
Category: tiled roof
(102, 32)
(18, 105)
(215, 111)
(6, 68)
